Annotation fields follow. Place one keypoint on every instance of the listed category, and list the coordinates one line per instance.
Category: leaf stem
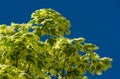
(28, 68)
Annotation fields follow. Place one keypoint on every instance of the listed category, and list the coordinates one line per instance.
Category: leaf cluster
(23, 54)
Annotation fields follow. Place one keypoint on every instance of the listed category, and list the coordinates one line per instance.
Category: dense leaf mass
(23, 54)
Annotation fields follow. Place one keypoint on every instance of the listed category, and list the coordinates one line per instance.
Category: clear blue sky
(96, 20)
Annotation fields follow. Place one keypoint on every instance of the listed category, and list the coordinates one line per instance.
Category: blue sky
(96, 20)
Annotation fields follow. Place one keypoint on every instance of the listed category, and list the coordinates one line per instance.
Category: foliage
(23, 54)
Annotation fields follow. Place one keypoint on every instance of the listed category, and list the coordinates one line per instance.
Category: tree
(24, 55)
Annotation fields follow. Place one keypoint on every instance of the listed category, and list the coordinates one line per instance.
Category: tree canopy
(24, 55)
